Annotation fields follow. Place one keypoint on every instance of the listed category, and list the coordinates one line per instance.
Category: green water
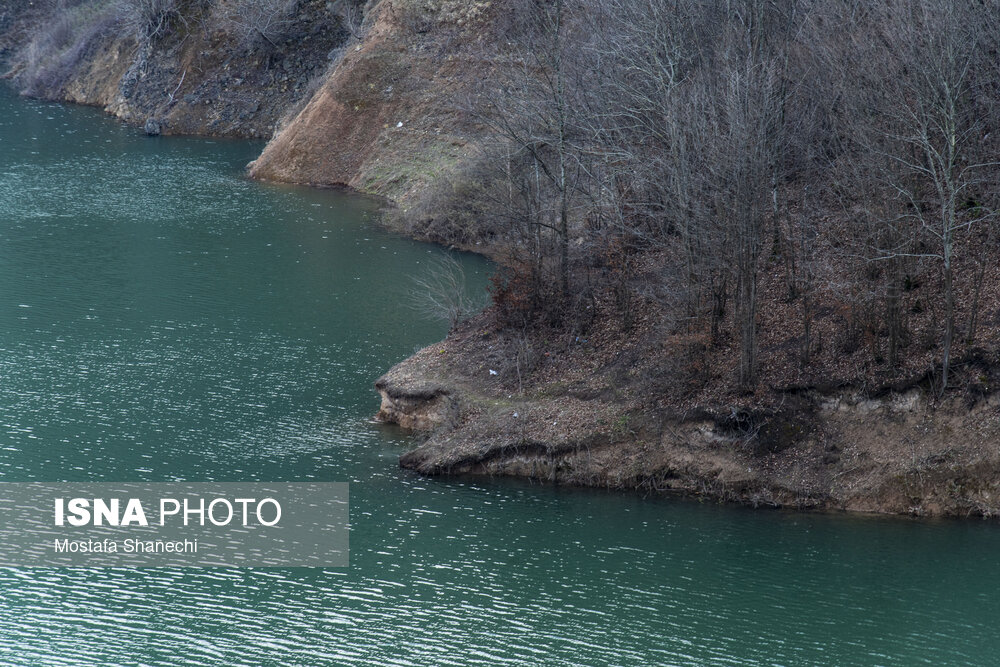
(161, 318)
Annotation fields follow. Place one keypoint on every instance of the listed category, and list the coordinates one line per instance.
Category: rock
(414, 403)
(152, 127)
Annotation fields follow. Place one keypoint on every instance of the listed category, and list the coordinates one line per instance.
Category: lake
(162, 318)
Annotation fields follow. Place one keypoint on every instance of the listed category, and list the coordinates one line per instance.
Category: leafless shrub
(59, 46)
(441, 292)
(146, 20)
(351, 15)
(454, 208)
(253, 22)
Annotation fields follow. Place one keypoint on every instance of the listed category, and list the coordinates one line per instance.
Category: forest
(772, 193)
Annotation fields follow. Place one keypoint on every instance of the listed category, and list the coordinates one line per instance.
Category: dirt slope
(387, 120)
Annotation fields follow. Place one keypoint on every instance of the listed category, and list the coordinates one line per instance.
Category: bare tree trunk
(949, 323)
(981, 262)
(720, 292)
(893, 314)
(747, 289)
(560, 100)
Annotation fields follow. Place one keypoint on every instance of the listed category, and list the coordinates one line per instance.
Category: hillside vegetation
(776, 195)
(749, 250)
(800, 193)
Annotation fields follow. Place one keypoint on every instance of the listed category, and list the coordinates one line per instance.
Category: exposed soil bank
(899, 453)
(388, 120)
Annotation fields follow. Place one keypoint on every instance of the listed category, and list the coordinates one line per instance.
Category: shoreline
(897, 454)
(819, 449)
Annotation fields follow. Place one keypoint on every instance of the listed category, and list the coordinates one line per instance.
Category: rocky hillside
(369, 98)
(193, 76)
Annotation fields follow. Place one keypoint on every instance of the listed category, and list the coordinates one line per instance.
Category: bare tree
(751, 102)
(741, 97)
(700, 102)
(652, 129)
(928, 132)
(533, 109)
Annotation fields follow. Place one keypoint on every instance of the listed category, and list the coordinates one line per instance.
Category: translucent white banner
(168, 524)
